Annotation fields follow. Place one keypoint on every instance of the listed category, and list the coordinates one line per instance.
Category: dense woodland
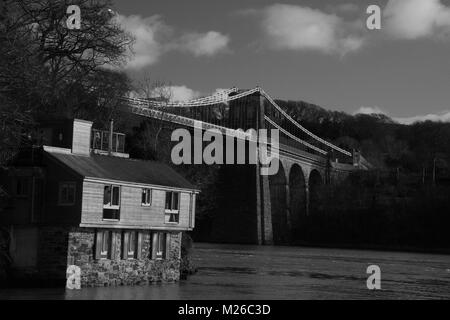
(404, 202)
(47, 72)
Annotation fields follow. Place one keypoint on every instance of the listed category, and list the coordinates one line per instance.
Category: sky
(316, 51)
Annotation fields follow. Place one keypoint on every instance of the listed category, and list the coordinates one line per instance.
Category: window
(103, 245)
(111, 202)
(22, 186)
(67, 193)
(172, 200)
(131, 245)
(172, 207)
(159, 245)
(146, 197)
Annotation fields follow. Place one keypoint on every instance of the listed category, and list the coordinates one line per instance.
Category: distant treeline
(404, 202)
(366, 211)
(386, 144)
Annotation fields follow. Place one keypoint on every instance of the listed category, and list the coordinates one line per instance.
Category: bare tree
(48, 70)
(161, 92)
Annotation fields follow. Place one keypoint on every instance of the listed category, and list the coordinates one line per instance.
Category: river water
(254, 272)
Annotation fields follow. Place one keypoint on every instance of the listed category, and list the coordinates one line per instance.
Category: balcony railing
(100, 141)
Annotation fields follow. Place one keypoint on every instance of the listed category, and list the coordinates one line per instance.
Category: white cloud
(220, 91)
(204, 44)
(183, 93)
(369, 110)
(442, 117)
(147, 47)
(414, 19)
(439, 117)
(300, 28)
(153, 38)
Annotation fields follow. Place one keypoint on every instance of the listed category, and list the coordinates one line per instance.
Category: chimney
(81, 137)
(111, 134)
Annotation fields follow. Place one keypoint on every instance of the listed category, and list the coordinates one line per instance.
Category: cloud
(204, 44)
(441, 117)
(220, 90)
(153, 38)
(414, 19)
(369, 110)
(183, 93)
(300, 28)
(147, 32)
(176, 93)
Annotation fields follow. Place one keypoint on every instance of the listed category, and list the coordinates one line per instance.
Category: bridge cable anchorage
(303, 128)
(294, 137)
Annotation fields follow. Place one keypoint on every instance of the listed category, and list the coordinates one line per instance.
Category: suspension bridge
(307, 161)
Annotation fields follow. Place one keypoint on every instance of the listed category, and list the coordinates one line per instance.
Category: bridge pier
(288, 211)
(263, 209)
(307, 198)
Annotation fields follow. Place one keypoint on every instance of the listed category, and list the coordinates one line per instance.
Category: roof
(123, 169)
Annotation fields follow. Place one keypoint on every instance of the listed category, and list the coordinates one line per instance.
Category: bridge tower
(263, 203)
(266, 209)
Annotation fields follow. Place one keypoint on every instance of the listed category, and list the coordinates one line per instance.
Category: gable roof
(122, 169)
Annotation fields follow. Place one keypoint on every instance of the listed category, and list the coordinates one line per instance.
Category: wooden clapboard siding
(132, 213)
(184, 209)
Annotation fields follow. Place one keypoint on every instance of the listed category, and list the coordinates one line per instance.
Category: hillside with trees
(402, 203)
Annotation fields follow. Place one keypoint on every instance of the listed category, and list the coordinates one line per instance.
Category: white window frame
(168, 215)
(131, 243)
(71, 186)
(160, 240)
(109, 205)
(148, 194)
(169, 212)
(105, 241)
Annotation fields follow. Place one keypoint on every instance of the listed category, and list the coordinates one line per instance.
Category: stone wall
(59, 247)
(94, 273)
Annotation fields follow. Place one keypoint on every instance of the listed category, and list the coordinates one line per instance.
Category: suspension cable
(223, 97)
(294, 137)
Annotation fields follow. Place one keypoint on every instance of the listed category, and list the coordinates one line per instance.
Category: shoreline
(382, 248)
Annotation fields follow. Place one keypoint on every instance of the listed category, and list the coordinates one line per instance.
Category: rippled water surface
(252, 272)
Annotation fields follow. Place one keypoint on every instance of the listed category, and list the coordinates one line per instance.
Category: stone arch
(297, 205)
(315, 182)
(278, 196)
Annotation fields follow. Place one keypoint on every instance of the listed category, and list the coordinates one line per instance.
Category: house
(80, 203)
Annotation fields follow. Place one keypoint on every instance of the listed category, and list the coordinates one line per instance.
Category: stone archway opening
(315, 183)
(297, 205)
(278, 185)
